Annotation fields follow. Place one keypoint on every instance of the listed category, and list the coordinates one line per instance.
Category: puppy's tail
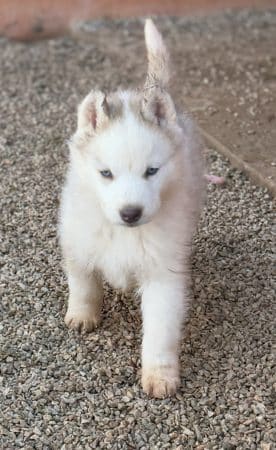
(158, 58)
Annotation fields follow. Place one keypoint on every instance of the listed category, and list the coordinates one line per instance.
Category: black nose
(131, 214)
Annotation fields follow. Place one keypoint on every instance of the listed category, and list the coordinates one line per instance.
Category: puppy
(129, 208)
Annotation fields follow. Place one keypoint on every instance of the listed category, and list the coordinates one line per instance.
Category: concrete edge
(238, 163)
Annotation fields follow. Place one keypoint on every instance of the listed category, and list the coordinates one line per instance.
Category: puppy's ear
(95, 112)
(158, 108)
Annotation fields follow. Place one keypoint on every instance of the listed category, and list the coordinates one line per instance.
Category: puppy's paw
(160, 381)
(82, 320)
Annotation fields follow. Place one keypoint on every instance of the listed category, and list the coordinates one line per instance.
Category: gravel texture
(62, 390)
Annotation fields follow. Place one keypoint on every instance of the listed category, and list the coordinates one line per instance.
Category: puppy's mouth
(132, 225)
(137, 224)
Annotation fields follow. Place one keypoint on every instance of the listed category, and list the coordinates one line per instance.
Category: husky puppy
(129, 208)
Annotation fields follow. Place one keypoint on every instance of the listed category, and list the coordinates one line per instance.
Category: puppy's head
(126, 143)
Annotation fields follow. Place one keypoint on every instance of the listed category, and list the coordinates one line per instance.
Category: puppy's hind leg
(85, 300)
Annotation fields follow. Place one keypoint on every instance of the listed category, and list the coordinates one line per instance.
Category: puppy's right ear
(93, 112)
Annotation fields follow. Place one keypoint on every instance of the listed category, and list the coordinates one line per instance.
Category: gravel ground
(61, 390)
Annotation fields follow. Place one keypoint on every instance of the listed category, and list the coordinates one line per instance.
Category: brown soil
(230, 84)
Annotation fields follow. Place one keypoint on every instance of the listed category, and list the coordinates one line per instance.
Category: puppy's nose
(131, 214)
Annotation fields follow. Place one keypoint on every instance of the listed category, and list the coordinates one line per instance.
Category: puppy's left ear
(158, 108)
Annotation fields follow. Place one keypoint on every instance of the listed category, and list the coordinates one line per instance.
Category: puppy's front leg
(163, 307)
(85, 300)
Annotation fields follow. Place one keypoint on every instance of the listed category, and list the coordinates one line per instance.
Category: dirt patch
(230, 85)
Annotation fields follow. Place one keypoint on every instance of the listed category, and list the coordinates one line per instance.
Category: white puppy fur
(129, 208)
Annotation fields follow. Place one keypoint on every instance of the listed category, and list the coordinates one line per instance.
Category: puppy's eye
(151, 171)
(106, 174)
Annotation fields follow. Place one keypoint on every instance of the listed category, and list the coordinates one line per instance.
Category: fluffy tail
(158, 58)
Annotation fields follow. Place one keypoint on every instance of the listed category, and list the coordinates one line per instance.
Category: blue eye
(106, 174)
(151, 171)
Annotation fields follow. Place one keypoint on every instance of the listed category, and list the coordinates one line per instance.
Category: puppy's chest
(120, 258)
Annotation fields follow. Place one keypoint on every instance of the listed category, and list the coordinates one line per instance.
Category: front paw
(84, 319)
(160, 381)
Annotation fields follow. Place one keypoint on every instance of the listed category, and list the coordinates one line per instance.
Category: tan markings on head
(112, 106)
